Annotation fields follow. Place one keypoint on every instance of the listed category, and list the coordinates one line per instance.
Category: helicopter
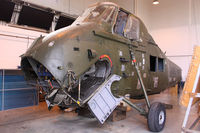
(104, 55)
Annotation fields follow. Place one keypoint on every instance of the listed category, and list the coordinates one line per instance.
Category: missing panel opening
(153, 63)
(161, 65)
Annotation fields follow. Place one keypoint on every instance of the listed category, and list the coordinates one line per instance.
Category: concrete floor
(39, 120)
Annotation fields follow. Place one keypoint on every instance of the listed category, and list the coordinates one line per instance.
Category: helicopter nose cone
(49, 54)
(62, 51)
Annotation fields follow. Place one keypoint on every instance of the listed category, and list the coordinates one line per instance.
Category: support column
(54, 22)
(16, 13)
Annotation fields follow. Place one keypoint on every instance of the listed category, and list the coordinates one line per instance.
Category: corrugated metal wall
(1, 81)
(14, 92)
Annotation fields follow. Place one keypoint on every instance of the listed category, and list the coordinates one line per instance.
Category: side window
(132, 28)
(160, 65)
(153, 63)
(109, 14)
(96, 12)
(120, 23)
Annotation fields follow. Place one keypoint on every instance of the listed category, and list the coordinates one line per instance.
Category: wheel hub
(161, 117)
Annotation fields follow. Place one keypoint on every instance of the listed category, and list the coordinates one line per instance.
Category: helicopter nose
(50, 55)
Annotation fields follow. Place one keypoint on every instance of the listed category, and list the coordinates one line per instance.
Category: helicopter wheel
(156, 117)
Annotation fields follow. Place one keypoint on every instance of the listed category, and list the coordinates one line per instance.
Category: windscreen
(95, 12)
(132, 28)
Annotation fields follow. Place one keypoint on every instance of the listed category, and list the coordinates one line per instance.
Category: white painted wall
(175, 26)
(72, 7)
(129, 5)
(76, 7)
(12, 47)
(142, 11)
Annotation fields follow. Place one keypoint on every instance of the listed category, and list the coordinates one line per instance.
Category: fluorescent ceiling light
(155, 2)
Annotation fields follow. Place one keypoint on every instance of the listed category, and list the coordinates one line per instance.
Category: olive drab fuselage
(100, 34)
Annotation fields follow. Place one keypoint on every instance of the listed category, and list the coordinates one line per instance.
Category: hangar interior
(173, 24)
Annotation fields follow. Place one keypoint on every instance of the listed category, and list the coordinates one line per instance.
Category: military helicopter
(106, 54)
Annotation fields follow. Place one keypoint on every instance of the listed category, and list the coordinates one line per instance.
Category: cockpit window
(120, 23)
(108, 16)
(131, 30)
(105, 12)
(97, 12)
(127, 25)
(85, 14)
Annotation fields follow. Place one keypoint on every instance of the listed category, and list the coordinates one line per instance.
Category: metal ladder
(193, 95)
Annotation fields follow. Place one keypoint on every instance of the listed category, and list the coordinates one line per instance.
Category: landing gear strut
(156, 114)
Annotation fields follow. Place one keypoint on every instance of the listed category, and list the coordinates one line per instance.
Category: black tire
(156, 117)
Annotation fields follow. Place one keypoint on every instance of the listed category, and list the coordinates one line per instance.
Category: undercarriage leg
(140, 110)
(139, 77)
(156, 114)
(143, 87)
